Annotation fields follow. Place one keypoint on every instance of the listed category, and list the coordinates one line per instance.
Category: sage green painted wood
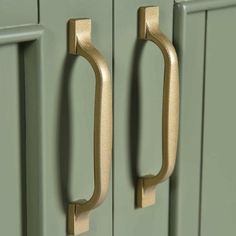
(138, 84)
(68, 112)
(20, 34)
(218, 210)
(12, 152)
(189, 40)
(210, 212)
(203, 5)
(21, 12)
(20, 87)
(33, 117)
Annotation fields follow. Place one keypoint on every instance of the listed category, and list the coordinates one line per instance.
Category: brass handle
(149, 30)
(80, 44)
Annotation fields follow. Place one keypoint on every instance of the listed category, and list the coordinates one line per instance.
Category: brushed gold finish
(149, 30)
(80, 44)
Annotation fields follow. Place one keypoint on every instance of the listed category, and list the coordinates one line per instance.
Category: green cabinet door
(20, 130)
(203, 189)
(138, 85)
(47, 127)
(46, 120)
(12, 152)
(218, 192)
(68, 95)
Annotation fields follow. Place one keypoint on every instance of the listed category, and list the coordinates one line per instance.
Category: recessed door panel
(12, 142)
(203, 192)
(218, 209)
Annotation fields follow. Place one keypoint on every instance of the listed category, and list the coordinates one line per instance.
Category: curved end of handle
(81, 28)
(145, 196)
(147, 17)
(77, 223)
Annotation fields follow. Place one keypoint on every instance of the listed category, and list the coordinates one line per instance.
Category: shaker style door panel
(138, 86)
(203, 192)
(68, 114)
(20, 129)
(218, 193)
(20, 12)
(189, 40)
(12, 162)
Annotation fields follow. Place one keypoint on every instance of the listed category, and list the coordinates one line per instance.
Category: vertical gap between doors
(202, 131)
(21, 66)
(38, 10)
(169, 230)
(113, 76)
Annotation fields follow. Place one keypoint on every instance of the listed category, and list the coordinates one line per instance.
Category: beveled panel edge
(20, 34)
(198, 6)
(32, 35)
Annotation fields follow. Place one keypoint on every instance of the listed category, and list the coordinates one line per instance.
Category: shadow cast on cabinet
(134, 113)
(22, 120)
(64, 132)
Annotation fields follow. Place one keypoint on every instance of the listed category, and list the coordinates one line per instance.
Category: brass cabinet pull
(149, 30)
(80, 44)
